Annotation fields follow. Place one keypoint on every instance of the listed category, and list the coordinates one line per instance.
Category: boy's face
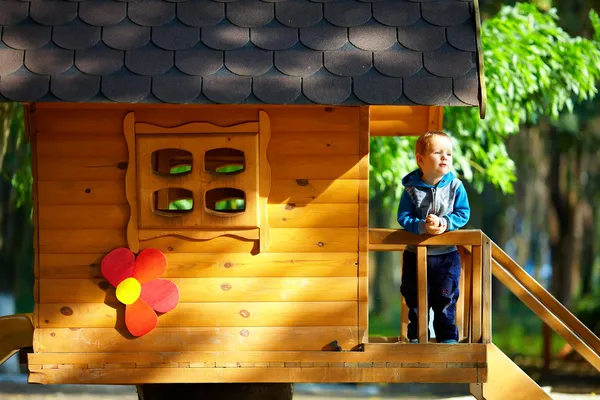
(437, 161)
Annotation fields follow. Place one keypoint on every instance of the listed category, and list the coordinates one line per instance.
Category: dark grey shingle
(346, 14)
(401, 64)
(151, 12)
(279, 38)
(348, 63)
(149, 60)
(377, 89)
(448, 64)
(49, 61)
(373, 37)
(10, 60)
(26, 35)
(227, 89)
(199, 61)
(102, 12)
(422, 37)
(250, 13)
(177, 89)
(52, 12)
(76, 35)
(396, 13)
(249, 61)
(324, 37)
(225, 37)
(446, 13)
(462, 36)
(126, 88)
(99, 60)
(428, 89)
(24, 88)
(175, 37)
(298, 14)
(75, 87)
(13, 12)
(327, 89)
(277, 89)
(298, 62)
(200, 14)
(466, 88)
(126, 36)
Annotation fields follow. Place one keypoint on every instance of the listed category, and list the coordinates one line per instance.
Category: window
(224, 161)
(171, 161)
(197, 180)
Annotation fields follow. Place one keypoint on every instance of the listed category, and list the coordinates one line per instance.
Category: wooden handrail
(546, 314)
(381, 239)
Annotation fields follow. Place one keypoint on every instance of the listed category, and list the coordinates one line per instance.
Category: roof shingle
(240, 51)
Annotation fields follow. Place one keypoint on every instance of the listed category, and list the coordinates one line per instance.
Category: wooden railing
(473, 308)
(480, 258)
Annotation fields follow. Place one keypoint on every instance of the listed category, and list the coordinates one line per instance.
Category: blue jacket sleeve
(407, 217)
(461, 213)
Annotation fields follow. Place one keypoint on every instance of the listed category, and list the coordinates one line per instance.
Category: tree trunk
(216, 391)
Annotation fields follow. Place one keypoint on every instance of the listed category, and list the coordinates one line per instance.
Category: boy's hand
(432, 220)
(435, 225)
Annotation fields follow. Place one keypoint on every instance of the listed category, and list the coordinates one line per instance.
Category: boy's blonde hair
(424, 142)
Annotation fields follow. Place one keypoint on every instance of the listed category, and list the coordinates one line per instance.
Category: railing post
(486, 292)
(467, 293)
(422, 306)
(476, 305)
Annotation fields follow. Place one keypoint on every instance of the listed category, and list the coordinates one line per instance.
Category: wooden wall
(300, 295)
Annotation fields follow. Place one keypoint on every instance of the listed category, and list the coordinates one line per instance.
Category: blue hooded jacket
(448, 199)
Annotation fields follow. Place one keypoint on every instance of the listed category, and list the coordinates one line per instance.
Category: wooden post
(422, 305)
(216, 391)
(467, 293)
(476, 312)
(486, 291)
(460, 303)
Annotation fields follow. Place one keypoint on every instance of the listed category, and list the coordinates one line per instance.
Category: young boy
(433, 201)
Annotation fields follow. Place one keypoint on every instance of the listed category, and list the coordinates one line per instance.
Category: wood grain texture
(100, 315)
(109, 340)
(210, 290)
(198, 265)
(82, 241)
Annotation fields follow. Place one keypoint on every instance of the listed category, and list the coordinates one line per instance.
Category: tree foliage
(533, 68)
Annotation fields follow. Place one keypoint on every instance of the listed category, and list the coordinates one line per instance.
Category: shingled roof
(344, 52)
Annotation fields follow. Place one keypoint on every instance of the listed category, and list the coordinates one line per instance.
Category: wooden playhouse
(234, 138)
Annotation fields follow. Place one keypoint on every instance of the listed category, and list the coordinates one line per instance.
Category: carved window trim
(200, 223)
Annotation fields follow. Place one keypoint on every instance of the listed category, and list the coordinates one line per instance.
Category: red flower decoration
(139, 287)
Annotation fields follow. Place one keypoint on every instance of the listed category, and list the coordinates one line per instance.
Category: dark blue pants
(443, 273)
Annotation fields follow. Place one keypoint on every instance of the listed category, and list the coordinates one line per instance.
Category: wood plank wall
(300, 295)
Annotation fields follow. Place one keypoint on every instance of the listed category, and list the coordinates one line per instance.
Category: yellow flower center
(129, 291)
